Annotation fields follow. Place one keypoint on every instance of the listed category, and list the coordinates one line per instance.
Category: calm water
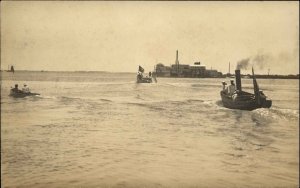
(104, 130)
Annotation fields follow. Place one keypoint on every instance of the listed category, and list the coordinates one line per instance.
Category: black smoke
(242, 64)
(260, 61)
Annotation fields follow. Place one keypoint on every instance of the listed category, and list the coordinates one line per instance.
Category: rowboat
(21, 94)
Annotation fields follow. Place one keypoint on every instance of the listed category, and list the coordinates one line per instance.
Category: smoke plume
(265, 61)
(260, 61)
(243, 64)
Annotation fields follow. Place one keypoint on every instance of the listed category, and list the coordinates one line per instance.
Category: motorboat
(20, 94)
(243, 100)
(143, 79)
(140, 78)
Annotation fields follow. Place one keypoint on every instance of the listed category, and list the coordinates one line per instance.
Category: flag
(141, 69)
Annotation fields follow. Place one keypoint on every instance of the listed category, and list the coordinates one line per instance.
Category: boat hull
(144, 80)
(244, 101)
(22, 94)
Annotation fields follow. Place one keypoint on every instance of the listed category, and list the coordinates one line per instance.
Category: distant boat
(15, 92)
(140, 77)
(22, 94)
(11, 69)
(243, 100)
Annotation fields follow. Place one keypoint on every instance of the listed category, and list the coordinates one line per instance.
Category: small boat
(15, 92)
(143, 80)
(11, 69)
(21, 94)
(140, 77)
(243, 100)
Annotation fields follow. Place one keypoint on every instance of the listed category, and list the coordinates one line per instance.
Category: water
(104, 130)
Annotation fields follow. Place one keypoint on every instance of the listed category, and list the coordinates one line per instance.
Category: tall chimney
(238, 80)
(177, 63)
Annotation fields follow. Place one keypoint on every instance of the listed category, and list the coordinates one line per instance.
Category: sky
(118, 36)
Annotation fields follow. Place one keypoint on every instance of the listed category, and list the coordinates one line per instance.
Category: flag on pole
(141, 69)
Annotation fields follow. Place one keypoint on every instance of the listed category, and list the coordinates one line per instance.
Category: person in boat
(139, 76)
(235, 94)
(224, 86)
(25, 89)
(16, 89)
(231, 87)
(262, 95)
(150, 74)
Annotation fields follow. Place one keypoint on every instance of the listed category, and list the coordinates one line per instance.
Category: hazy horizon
(119, 36)
(133, 72)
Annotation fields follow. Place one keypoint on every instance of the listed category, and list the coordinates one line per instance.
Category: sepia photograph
(152, 94)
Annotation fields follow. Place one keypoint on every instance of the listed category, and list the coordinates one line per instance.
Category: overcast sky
(119, 36)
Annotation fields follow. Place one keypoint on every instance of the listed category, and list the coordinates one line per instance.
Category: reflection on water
(100, 132)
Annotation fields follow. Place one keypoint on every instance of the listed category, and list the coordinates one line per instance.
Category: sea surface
(100, 129)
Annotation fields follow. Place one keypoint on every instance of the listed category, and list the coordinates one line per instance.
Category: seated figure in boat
(231, 87)
(225, 89)
(26, 89)
(262, 95)
(15, 89)
(235, 94)
(139, 76)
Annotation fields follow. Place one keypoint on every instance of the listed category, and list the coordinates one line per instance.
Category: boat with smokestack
(243, 100)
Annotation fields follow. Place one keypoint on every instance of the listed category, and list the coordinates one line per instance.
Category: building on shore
(162, 70)
(196, 70)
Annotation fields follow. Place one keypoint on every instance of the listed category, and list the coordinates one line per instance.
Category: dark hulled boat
(21, 94)
(143, 80)
(243, 100)
(17, 93)
(140, 77)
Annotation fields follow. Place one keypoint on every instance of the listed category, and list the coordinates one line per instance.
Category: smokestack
(177, 63)
(238, 80)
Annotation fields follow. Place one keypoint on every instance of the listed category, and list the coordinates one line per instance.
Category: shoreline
(258, 76)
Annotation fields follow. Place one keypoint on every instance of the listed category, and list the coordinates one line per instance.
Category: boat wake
(277, 113)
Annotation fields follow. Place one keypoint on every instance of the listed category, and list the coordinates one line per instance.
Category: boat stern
(267, 104)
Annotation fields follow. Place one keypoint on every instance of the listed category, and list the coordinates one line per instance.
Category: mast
(256, 89)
